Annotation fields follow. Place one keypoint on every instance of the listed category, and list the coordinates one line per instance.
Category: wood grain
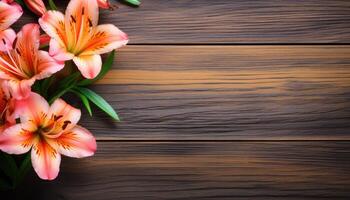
(202, 170)
(227, 93)
(223, 21)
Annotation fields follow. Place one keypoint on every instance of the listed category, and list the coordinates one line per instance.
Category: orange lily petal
(33, 109)
(106, 38)
(52, 22)
(80, 17)
(47, 65)
(28, 42)
(17, 139)
(7, 37)
(59, 52)
(89, 65)
(45, 159)
(65, 112)
(77, 143)
(9, 14)
(20, 89)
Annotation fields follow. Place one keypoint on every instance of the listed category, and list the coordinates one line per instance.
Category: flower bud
(36, 6)
(104, 4)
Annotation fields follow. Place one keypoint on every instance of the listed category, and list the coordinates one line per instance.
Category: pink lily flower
(24, 63)
(36, 6)
(10, 12)
(48, 132)
(77, 36)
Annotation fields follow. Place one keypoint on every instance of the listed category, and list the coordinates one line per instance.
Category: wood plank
(202, 170)
(227, 93)
(239, 21)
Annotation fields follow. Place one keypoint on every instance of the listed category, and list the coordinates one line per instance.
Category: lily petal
(80, 16)
(34, 108)
(7, 37)
(59, 52)
(19, 89)
(47, 65)
(29, 37)
(89, 65)
(9, 14)
(65, 112)
(45, 159)
(106, 38)
(17, 139)
(52, 22)
(77, 143)
(79, 8)
(28, 42)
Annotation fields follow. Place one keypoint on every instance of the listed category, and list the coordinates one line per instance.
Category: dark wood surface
(203, 170)
(227, 93)
(206, 118)
(231, 21)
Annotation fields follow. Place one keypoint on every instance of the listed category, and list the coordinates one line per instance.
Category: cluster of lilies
(27, 121)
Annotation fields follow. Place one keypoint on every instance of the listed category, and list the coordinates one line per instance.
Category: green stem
(52, 5)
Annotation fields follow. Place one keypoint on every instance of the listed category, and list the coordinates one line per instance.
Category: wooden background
(220, 100)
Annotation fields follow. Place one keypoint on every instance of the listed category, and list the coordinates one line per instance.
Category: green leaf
(133, 2)
(66, 84)
(36, 87)
(8, 165)
(69, 80)
(98, 101)
(84, 100)
(45, 85)
(23, 169)
(60, 93)
(52, 5)
(105, 68)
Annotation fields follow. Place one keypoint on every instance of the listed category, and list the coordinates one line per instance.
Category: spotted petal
(7, 37)
(52, 22)
(45, 159)
(34, 108)
(65, 113)
(80, 17)
(28, 42)
(106, 38)
(17, 139)
(78, 143)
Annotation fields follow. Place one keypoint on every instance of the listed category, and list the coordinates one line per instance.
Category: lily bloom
(36, 6)
(48, 132)
(77, 36)
(10, 12)
(24, 63)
